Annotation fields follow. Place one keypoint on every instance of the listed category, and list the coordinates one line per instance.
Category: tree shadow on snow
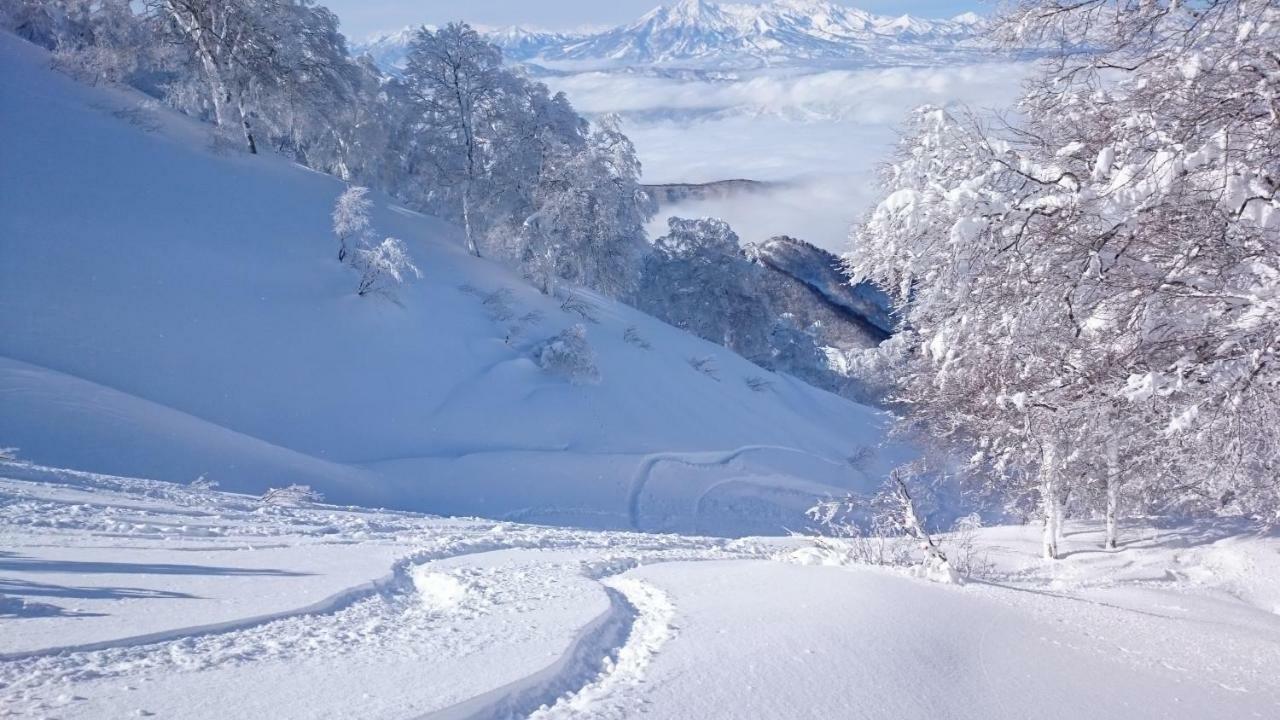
(20, 588)
(21, 563)
(14, 607)
(1166, 533)
(1077, 598)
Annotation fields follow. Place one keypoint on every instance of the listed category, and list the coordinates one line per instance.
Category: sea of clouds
(821, 135)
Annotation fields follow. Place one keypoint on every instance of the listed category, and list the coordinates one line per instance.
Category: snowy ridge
(699, 33)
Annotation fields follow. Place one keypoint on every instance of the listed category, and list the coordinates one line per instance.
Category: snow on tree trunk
(935, 566)
(245, 126)
(1051, 502)
(1113, 490)
(466, 221)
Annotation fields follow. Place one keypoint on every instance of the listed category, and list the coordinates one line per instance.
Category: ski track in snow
(598, 673)
(414, 611)
(610, 694)
(330, 605)
(405, 615)
(549, 623)
(635, 492)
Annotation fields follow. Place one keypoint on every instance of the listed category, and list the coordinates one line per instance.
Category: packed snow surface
(169, 309)
(136, 598)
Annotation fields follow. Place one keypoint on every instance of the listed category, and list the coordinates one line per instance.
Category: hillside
(862, 305)
(170, 310)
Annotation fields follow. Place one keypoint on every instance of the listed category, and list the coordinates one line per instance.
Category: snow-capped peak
(780, 31)
(703, 32)
(691, 11)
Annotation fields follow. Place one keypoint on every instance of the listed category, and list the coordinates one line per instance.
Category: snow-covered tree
(494, 149)
(1091, 292)
(698, 279)
(455, 79)
(96, 41)
(795, 350)
(872, 526)
(292, 495)
(351, 217)
(588, 225)
(569, 354)
(281, 63)
(383, 267)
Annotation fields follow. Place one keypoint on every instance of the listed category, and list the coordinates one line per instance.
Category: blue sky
(362, 17)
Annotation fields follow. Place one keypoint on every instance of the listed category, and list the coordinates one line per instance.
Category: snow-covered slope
(698, 33)
(135, 598)
(169, 311)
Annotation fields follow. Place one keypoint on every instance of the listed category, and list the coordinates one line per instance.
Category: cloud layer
(874, 95)
(824, 133)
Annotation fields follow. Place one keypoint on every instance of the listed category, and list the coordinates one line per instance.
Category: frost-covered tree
(569, 354)
(1090, 293)
(588, 225)
(492, 149)
(795, 350)
(292, 495)
(383, 267)
(351, 218)
(876, 529)
(96, 41)
(455, 80)
(698, 279)
(281, 63)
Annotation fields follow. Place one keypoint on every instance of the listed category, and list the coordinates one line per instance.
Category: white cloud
(871, 95)
(817, 209)
(822, 133)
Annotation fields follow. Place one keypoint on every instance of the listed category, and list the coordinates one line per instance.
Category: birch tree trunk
(1051, 503)
(466, 220)
(244, 124)
(1113, 491)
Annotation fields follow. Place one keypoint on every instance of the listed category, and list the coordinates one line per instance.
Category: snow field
(476, 619)
(461, 609)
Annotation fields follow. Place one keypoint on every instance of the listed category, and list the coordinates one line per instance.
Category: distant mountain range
(706, 35)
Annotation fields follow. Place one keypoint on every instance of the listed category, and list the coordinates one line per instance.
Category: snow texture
(124, 597)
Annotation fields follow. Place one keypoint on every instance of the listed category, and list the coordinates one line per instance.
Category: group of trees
(1090, 295)
(699, 277)
(382, 265)
(458, 135)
